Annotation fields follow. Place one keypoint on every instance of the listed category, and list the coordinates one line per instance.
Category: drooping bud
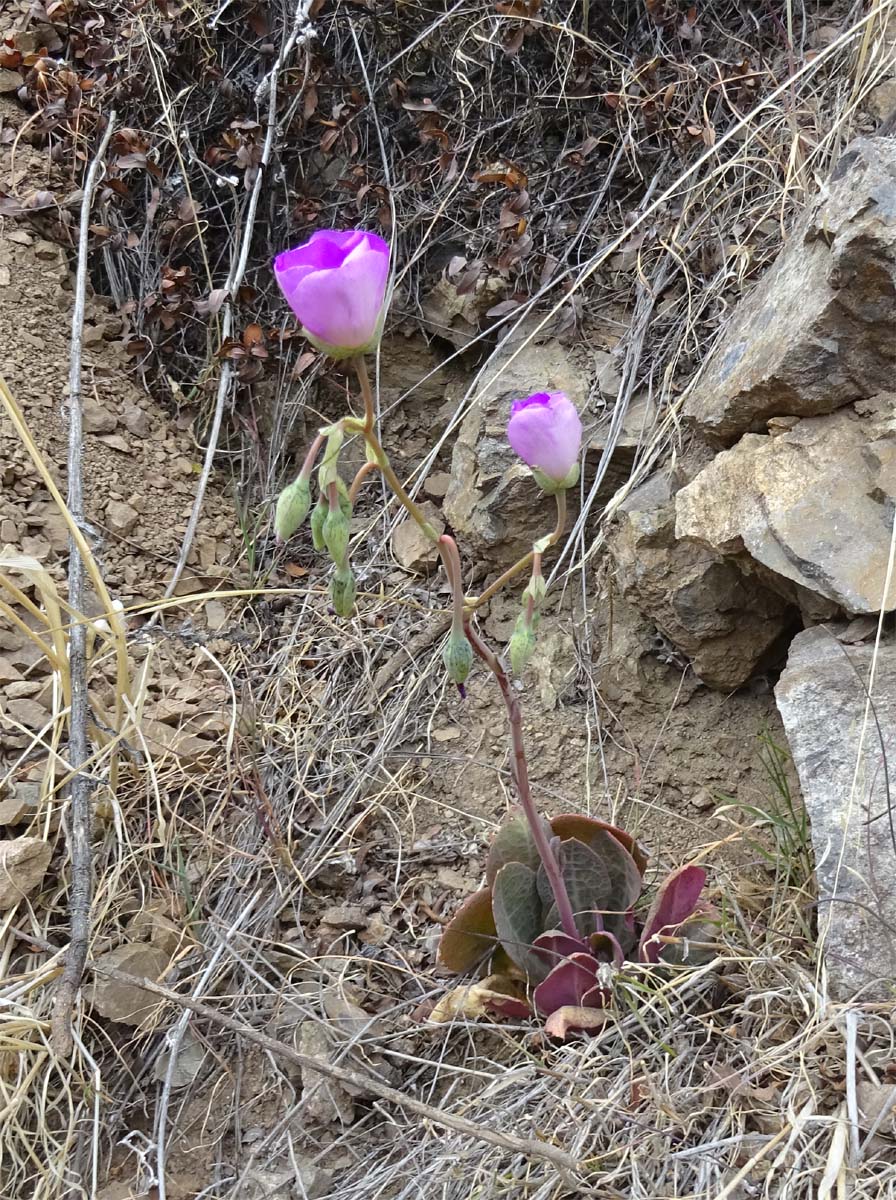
(318, 516)
(522, 643)
(342, 591)
(335, 533)
(293, 504)
(458, 656)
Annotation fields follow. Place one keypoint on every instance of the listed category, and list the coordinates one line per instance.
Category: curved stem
(359, 479)
(451, 558)
(521, 776)
(526, 560)
(382, 461)
(311, 457)
(360, 365)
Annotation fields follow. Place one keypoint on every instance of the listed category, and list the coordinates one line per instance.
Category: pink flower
(336, 284)
(546, 432)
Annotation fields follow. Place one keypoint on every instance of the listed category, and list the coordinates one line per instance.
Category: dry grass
(737, 1079)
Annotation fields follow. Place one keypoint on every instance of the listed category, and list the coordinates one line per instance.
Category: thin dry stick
(81, 788)
(527, 1147)
(234, 280)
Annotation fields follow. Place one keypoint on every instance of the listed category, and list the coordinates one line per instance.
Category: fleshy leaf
(625, 878)
(513, 842)
(577, 825)
(674, 903)
(606, 948)
(555, 945)
(573, 1018)
(587, 883)
(572, 982)
(517, 911)
(470, 933)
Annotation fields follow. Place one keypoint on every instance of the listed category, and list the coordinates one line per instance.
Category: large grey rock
(841, 750)
(816, 333)
(128, 1002)
(725, 621)
(814, 506)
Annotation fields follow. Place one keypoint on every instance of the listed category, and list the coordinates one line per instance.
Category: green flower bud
(328, 472)
(342, 592)
(536, 589)
(522, 644)
(458, 656)
(552, 486)
(318, 516)
(293, 504)
(335, 533)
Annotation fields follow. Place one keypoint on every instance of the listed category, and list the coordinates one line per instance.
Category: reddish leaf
(675, 902)
(572, 982)
(469, 934)
(583, 829)
(605, 948)
(555, 945)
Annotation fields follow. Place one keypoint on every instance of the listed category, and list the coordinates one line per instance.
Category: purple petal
(674, 903)
(546, 432)
(336, 283)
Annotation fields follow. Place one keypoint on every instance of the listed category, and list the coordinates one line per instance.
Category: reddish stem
(521, 776)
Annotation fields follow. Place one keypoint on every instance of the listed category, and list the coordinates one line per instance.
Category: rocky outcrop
(841, 749)
(726, 622)
(817, 332)
(814, 506)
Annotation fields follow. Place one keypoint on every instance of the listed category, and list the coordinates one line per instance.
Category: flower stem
(351, 425)
(311, 457)
(527, 559)
(359, 362)
(451, 558)
(521, 776)
(359, 479)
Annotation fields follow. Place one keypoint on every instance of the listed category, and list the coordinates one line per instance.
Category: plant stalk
(526, 561)
(521, 775)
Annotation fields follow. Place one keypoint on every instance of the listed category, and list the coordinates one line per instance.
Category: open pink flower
(336, 284)
(546, 432)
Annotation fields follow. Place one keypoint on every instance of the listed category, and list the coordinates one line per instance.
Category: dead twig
(79, 749)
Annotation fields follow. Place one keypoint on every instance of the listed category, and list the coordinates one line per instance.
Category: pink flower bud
(546, 432)
(336, 285)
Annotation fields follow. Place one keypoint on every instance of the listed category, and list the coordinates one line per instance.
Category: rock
(412, 549)
(8, 673)
(841, 752)
(437, 484)
(21, 804)
(323, 1099)
(127, 1003)
(27, 712)
(816, 332)
(116, 1191)
(10, 81)
(23, 865)
(190, 1058)
(493, 503)
(726, 622)
(344, 916)
(136, 421)
(121, 518)
(151, 925)
(814, 506)
(97, 417)
(313, 1181)
(882, 99)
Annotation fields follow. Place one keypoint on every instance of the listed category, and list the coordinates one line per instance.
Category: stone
(725, 621)
(20, 804)
(10, 81)
(323, 1099)
(136, 421)
(882, 99)
(23, 865)
(8, 673)
(813, 506)
(116, 1191)
(841, 751)
(151, 925)
(127, 1003)
(412, 549)
(437, 484)
(493, 504)
(344, 916)
(121, 518)
(816, 332)
(27, 712)
(97, 417)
